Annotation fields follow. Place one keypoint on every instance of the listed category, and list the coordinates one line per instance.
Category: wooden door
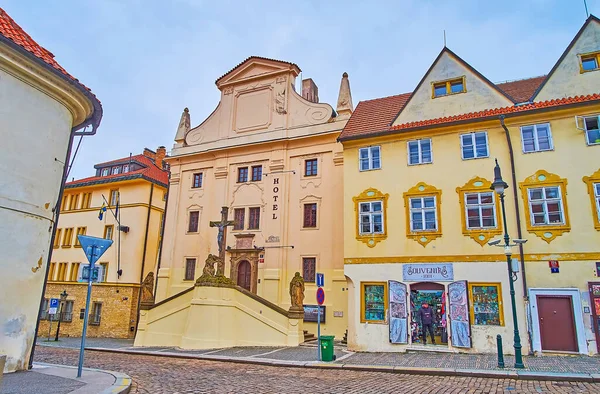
(244, 274)
(398, 312)
(460, 326)
(557, 323)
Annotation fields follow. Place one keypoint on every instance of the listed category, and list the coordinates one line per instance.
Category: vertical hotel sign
(275, 198)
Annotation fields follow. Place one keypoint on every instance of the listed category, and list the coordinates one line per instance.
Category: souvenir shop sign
(427, 272)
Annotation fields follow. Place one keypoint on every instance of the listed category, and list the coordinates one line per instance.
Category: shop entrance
(434, 295)
(557, 323)
(595, 297)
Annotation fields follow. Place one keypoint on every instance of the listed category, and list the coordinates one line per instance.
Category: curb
(122, 383)
(481, 373)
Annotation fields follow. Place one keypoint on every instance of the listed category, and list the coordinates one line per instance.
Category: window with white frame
(481, 210)
(105, 171)
(371, 217)
(536, 138)
(592, 131)
(370, 158)
(546, 206)
(116, 170)
(474, 145)
(597, 197)
(423, 214)
(419, 151)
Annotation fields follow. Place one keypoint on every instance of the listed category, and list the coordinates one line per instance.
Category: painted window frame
(74, 203)
(480, 206)
(105, 171)
(371, 214)
(251, 225)
(587, 132)
(590, 55)
(473, 138)
(419, 143)
(423, 210)
(74, 272)
(67, 237)
(256, 175)
(536, 138)
(312, 260)
(370, 195)
(197, 180)
(369, 159)
(542, 178)
(237, 225)
(310, 224)
(593, 184)
(125, 168)
(86, 200)
(79, 231)
(104, 276)
(479, 235)
(114, 197)
(422, 189)
(115, 170)
(311, 170)
(109, 228)
(96, 313)
(363, 319)
(448, 85)
(189, 222)
(544, 202)
(51, 271)
(190, 261)
(242, 174)
(61, 272)
(498, 287)
(57, 238)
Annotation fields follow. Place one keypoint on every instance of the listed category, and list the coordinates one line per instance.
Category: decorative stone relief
(228, 90)
(280, 103)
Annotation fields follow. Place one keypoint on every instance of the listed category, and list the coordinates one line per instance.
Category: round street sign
(320, 296)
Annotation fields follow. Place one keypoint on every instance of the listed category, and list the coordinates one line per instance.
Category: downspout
(144, 257)
(518, 218)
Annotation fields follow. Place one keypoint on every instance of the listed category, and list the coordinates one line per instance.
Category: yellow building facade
(419, 212)
(269, 155)
(138, 185)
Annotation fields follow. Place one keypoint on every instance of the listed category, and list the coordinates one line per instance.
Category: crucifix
(222, 238)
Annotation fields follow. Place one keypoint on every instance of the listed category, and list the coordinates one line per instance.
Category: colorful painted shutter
(398, 312)
(460, 327)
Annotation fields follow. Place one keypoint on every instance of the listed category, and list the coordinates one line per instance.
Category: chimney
(148, 153)
(310, 91)
(161, 152)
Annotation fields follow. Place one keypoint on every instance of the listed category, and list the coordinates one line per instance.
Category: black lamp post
(499, 186)
(63, 298)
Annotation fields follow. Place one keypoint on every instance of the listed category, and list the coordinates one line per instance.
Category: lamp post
(63, 298)
(499, 186)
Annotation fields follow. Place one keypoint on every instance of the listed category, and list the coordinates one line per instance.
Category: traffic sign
(53, 310)
(94, 247)
(320, 296)
(320, 280)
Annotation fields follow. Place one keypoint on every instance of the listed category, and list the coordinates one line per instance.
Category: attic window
(590, 62)
(448, 87)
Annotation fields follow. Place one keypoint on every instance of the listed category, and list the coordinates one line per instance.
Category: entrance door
(557, 323)
(244, 274)
(595, 298)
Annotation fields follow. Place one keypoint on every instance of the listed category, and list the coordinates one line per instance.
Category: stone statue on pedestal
(297, 292)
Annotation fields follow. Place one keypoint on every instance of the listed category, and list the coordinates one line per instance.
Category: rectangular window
(86, 200)
(125, 168)
(103, 274)
(310, 215)
(309, 267)
(190, 269)
(96, 314)
(592, 132)
(74, 201)
(370, 158)
(481, 210)
(65, 203)
(310, 167)
(373, 302)
(74, 274)
(536, 138)
(57, 238)
(67, 237)
(239, 216)
(419, 151)
(545, 206)
(62, 272)
(242, 174)
(423, 214)
(197, 180)
(474, 145)
(371, 217)
(80, 231)
(452, 86)
(486, 304)
(51, 271)
(44, 311)
(105, 171)
(116, 170)
(590, 62)
(254, 222)
(597, 197)
(114, 197)
(193, 222)
(67, 311)
(256, 173)
(108, 231)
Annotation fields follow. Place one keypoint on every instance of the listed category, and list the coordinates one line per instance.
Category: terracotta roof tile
(523, 89)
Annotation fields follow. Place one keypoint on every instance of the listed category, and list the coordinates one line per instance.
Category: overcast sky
(148, 59)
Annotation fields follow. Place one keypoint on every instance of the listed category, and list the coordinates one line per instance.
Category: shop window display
(486, 304)
(374, 300)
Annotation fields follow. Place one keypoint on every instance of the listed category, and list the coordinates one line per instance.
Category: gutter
(144, 256)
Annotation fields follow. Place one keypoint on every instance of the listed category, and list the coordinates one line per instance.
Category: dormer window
(116, 170)
(125, 168)
(590, 62)
(448, 87)
(105, 171)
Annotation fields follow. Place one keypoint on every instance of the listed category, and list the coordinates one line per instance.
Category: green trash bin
(327, 348)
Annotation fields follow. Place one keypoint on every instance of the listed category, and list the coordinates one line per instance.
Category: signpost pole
(319, 332)
(85, 317)
(50, 328)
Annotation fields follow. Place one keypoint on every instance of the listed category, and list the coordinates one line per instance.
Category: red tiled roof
(150, 172)
(260, 58)
(523, 89)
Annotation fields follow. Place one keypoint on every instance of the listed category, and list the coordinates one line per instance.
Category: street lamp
(63, 298)
(499, 186)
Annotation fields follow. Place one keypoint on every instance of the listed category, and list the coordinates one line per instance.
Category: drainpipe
(144, 257)
(518, 218)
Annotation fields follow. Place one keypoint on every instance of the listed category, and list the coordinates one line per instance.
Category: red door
(244, 275)
(557, 323)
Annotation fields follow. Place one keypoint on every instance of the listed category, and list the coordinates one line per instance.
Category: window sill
(548, 232)
(77, 246)
(371, 239)
(424, 237)
(369, 169)
(447, 94)
(482, 235)
(582, 71)
(420, 164)
(66, 246)
(475, 158)
(309, 228)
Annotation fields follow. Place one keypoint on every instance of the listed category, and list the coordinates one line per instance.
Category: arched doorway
(244, 276)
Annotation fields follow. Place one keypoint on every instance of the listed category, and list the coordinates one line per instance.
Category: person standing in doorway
(427, 317)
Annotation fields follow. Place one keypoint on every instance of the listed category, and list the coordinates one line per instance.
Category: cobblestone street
(169, 375)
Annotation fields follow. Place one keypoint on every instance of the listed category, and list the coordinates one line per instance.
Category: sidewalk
(61, 379)
(548, 367)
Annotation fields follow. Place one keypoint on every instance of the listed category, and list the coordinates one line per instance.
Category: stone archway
(242, 261)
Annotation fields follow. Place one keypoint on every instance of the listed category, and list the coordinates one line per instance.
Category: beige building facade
(269, 155)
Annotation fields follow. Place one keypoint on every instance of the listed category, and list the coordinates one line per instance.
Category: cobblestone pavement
(75, 342)
(170, 375)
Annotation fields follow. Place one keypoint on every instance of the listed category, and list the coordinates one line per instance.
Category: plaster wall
(32, 122)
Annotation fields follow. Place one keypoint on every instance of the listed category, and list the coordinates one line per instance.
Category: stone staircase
(309, 337)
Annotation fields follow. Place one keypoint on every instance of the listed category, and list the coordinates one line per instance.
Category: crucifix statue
(222, 238)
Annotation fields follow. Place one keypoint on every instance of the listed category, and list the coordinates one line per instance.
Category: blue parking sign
(53, 309)
(320, 280)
